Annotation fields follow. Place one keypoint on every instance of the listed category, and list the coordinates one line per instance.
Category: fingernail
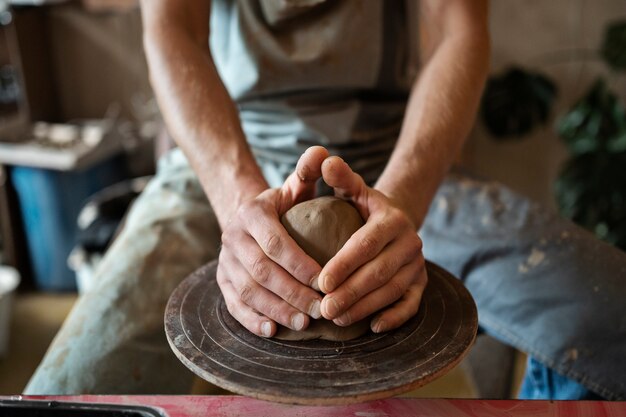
(315, 310)
(315, 282)
(332, 307)
(343, 320)
(328, 282)
(379, 326)
(297, 321)
(266, 329)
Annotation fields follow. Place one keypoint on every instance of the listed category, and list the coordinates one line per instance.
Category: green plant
(515, 102)
(591, 188)
(597, 123)
(591, 192)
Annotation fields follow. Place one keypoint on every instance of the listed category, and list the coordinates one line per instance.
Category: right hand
(264, 275)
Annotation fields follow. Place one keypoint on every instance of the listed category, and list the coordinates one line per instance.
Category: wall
(557, 38)
(79, 62)
(97, 59)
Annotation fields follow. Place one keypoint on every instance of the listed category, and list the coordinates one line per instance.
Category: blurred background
(78, 124)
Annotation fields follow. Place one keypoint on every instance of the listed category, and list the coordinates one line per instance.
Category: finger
(382, 297)
(271, 236)
(396, 315)
(300, 185)
(274, 278)
(346, 183)
(249, 318)
(260, 299)
(372, 275)
(363, 246)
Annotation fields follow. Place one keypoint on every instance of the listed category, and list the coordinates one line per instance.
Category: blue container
(50, 202)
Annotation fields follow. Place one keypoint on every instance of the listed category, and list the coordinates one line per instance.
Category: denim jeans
(542, 383)
(541, 284)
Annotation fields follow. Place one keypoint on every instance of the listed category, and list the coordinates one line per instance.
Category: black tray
(33, 408)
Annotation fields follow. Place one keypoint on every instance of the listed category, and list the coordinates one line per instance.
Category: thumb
(300, 185)
(347, 184)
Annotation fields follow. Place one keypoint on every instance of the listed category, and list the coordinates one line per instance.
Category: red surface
(227, 406)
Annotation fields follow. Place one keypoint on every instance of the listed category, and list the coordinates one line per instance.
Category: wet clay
(321, 227)
(326, 330)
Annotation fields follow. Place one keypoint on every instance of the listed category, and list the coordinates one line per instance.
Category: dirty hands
(263, 274)
(266, 278)
(381, 267)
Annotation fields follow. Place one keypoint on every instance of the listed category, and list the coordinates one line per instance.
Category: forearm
(439, 115)
(201, 116)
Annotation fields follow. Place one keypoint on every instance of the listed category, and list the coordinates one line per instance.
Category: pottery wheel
(210, 342)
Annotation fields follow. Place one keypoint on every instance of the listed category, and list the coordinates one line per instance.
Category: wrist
(231, 191)
(228, 180)
(410, 190)
(414, 210)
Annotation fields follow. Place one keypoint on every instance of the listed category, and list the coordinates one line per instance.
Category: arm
(261, 270)
(197, 109)
(382, 265)
(443, 102)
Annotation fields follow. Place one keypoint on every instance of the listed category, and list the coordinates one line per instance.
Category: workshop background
(76, 155)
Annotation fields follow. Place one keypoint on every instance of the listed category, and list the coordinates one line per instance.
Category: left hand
(381, 267)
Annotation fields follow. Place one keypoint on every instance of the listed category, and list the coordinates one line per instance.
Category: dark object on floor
(515, 102)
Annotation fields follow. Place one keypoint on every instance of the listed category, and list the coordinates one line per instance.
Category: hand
(380, 266)
(264, 275)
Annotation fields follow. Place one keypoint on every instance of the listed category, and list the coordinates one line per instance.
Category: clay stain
(535, 258)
